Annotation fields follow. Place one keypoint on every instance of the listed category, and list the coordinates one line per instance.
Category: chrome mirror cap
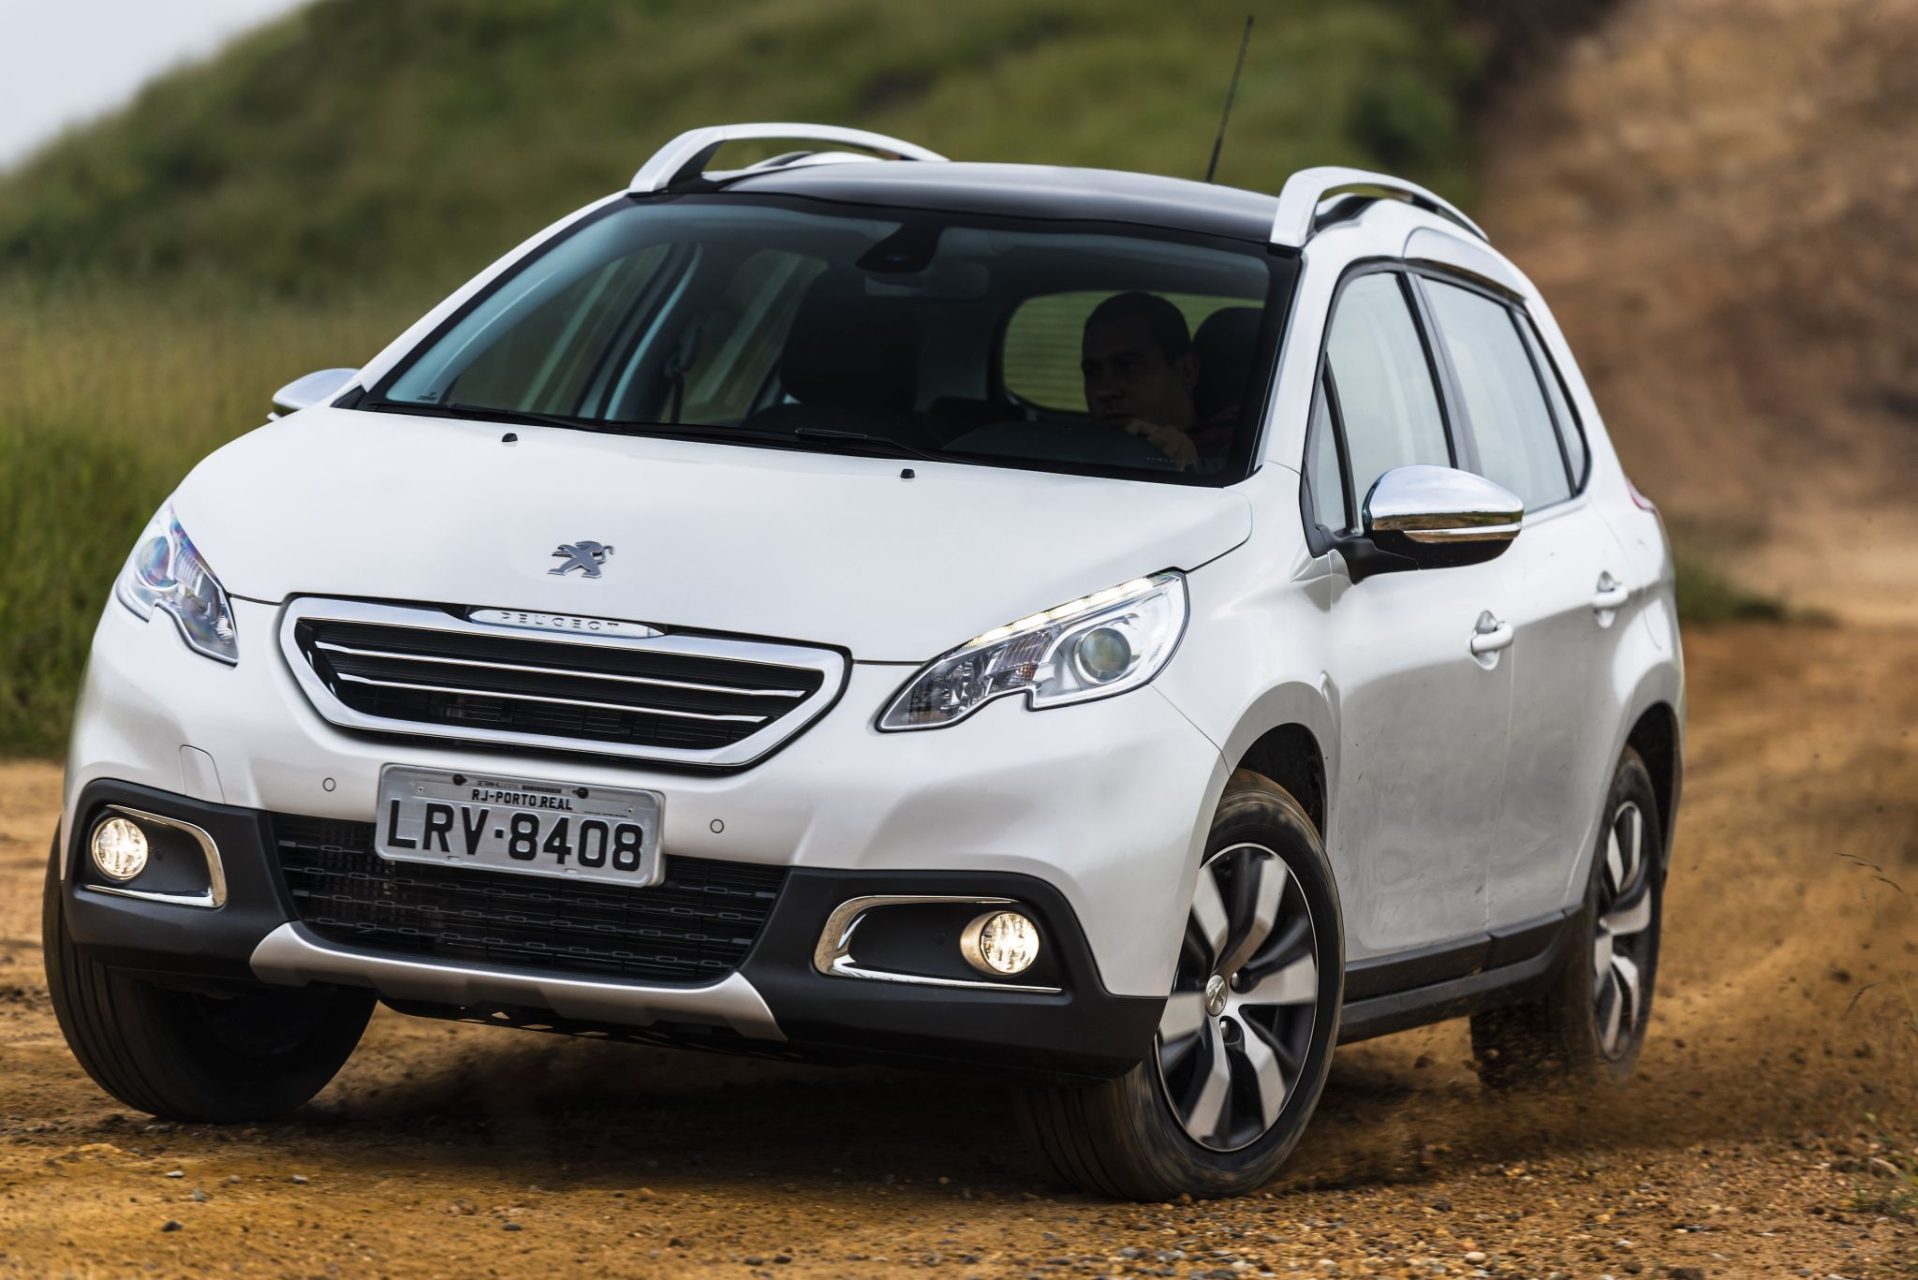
(1424, 517)
(314, 388)
(1442, 506)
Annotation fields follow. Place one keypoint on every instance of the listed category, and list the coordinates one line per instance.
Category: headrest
(1224, 347)
(848, 350)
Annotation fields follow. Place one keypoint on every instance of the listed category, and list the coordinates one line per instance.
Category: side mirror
(1431, 518)
(314, 388)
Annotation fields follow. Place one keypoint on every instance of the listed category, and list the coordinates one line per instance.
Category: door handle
(1611, 596)
(1491, 635)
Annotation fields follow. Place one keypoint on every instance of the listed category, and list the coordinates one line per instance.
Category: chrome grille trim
(657, 682)
(558, 702)
(771, 731)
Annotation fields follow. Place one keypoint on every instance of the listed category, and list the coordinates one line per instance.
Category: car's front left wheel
(1245, 1041)
(255, 1054)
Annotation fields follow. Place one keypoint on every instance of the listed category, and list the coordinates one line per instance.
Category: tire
(1611, 967)
(1245, 1042)
(181, 1055)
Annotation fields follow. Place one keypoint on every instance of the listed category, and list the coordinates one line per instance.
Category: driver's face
(1128, 376)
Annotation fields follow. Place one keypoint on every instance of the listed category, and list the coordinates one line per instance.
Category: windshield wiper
(883, 444)
(486, 413)
(681, 430)
(607, 426)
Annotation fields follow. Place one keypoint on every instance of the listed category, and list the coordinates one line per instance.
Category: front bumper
(775, 1001)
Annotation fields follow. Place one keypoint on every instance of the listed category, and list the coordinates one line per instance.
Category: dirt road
(1775, 1097)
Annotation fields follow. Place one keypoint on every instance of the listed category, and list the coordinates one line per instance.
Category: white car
(1125, 633)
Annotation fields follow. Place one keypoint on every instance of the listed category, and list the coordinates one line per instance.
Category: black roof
(1027, 190)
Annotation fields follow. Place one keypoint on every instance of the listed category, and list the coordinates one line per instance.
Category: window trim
(1334, 414)
(1534, 343)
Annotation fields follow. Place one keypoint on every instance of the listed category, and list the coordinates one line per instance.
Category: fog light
(1000, 943)
(119, 849)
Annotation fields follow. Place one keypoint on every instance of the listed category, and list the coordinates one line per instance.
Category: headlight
(1092, 647)
(166, 572)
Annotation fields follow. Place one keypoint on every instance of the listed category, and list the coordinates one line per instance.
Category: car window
(729, 352)
(1388, 408)
(545, 363)
(1511, 423)
(1569, 430)
(1040, 355)
(1322, 464)
(812, 325)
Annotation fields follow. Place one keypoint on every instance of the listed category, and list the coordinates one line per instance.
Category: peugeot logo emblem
(587, 557)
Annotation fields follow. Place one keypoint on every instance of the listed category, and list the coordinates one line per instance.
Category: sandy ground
(1774, 1104)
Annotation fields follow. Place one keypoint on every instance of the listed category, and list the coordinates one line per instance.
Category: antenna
(1231, 92)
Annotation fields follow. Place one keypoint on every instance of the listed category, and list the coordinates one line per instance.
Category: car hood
(822, 548)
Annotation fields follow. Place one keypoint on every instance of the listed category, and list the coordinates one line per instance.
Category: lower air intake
(695, 927)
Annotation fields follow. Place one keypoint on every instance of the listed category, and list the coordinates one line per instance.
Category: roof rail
(684, 158)
(1307, 189)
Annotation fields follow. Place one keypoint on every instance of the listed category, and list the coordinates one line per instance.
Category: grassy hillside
(364, 143)
(296, 201)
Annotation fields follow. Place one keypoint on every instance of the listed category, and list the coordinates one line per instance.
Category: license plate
(519, 824)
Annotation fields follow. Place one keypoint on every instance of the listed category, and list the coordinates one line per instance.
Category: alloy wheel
(1238, 1024)
(1623, 935)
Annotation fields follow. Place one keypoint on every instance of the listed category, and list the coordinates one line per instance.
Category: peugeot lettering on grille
(587, 557)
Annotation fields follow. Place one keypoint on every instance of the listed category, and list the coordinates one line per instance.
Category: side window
(1387, 406)
(1568, 429)
(1511, 423)
(1322, 463)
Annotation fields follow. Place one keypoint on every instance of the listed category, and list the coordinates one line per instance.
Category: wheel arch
(1290, 755)
(1655, 735)
(1288, 734)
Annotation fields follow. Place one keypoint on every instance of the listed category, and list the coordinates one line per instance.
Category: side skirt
(1433, 984)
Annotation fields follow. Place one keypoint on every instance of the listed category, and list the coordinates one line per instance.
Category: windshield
(798, 324)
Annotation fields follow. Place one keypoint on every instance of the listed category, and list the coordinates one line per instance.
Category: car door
(1422, 720)
(1561, 599)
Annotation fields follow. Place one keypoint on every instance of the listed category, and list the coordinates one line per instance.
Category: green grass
(297, 201)
(361, 144)
(1705, 596)
(110, 399)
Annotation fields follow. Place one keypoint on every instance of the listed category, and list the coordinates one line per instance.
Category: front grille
(423, 670)
(694, 927)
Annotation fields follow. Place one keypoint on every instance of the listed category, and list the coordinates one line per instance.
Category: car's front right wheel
(1246, 1039)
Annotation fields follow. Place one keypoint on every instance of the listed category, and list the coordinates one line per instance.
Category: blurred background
(201, 200)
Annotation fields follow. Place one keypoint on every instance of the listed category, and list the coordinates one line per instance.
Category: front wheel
(1245, 1041)
(254, 1055)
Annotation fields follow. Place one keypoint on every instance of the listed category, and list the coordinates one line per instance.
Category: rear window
(799, 324)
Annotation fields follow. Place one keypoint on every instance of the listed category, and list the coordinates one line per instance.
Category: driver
(1139, 371)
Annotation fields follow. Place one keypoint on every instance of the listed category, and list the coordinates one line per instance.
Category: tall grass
(294, 203)
(109, 399)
